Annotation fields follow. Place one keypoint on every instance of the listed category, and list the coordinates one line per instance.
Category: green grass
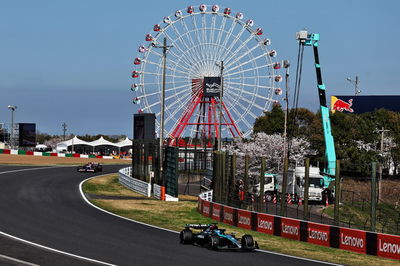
(174, 215)
(358, 214)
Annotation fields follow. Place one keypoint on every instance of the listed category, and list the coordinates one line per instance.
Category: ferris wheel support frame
(209, 106)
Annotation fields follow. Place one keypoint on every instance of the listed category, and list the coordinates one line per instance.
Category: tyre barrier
(364, 242)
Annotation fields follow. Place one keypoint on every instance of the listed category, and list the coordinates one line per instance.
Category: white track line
(41, 246)
(14, 260)
(131, 220)
(119, 216)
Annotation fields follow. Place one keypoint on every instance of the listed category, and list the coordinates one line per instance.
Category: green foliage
(271, 122)
(356, 136)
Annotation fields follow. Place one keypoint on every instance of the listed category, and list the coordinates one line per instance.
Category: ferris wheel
(220, 73)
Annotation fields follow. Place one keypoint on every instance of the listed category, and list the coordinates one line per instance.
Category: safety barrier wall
(364, 242)
(54, 154)
(141, 187)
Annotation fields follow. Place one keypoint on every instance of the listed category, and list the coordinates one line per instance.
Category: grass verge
(174, 215)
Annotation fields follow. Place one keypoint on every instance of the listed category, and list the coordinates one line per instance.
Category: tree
(271, 122)
(271, 148)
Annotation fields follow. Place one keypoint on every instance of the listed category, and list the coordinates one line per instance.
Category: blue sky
(70, 61)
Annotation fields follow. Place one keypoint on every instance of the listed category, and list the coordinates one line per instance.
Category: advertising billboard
(212, 86)
(365, 103)
(27, 134)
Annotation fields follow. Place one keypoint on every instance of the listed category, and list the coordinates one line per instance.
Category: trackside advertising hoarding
(206, 208)
(318, 234)
(216, 212)
(244, 219)
(388, 246)
(228, 215)
(265, 223)
(290, 228)
(353, 240)
(382, 245)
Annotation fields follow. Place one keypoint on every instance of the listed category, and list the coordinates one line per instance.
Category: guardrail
(371, 243)
(126, 179)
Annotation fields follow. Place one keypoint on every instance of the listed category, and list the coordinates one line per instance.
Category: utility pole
(356, 82)
(220, 107)
(286, 65)
(382, 131)
(64, 125)
(373, 197)
(165, 48)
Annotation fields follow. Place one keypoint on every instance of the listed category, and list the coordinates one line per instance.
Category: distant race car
(90, 167)
(212, 237)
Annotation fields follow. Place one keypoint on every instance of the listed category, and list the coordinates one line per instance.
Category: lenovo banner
(228, 215)
(318, 234)
(388, 246)
(353, 240)
(265, 223)
(206, 208)
(290, 228)
(244, 219)
(216, 212)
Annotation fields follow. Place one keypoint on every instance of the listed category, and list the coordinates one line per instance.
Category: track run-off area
(44, 220)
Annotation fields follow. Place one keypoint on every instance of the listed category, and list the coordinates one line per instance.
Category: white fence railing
(157, 191)
(126, 179)
(207, 195)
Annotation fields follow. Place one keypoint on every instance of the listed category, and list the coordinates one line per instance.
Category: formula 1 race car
(212, 237)
(90, 167)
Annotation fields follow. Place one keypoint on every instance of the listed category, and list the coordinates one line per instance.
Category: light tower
(12, 108)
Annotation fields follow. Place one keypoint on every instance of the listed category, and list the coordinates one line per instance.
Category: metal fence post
(284, 185)
(306, 188)
(262, 181)
(373, 197)
(232, 178)
(336, 214)
(246, 176)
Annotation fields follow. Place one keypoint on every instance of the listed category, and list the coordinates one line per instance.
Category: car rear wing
(199, 226)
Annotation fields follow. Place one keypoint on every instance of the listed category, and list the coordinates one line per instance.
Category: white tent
(102, 141)
(74, 141)
(99, 142)
(124, 143)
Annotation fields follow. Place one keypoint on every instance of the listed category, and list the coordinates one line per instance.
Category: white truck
(295, 185)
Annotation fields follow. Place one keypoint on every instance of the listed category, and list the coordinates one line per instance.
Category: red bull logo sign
(340, 105)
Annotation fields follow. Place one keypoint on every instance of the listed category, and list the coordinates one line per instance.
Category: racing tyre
(247, 242)
(214, 242)
(186, 236)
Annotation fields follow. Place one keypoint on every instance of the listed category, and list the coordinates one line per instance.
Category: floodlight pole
(286, 65)
(12, 108)
(220, 106)
(165, 48)
(356, 82)
(64, 125)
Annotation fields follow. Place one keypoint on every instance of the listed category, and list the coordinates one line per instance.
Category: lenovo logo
(317, 235)
(290, 230)
(244, 220)
(264, 224)
(389, 247)
(351, 241)
(228, 216)
(206, 210)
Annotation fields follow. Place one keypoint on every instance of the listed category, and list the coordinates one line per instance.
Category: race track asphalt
(44, 206)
